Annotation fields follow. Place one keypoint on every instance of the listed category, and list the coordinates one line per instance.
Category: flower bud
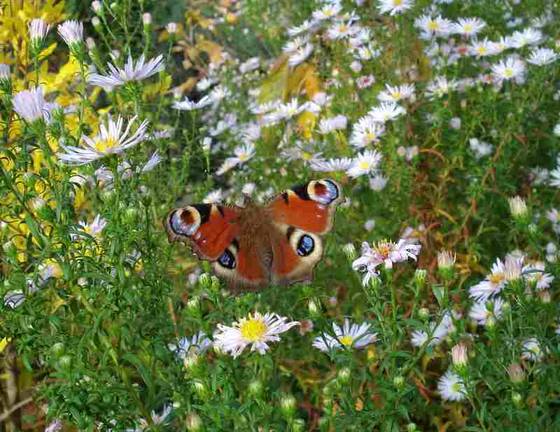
(350, 251)
(446, 262)
(398, 382)
(516, 373)
(147, 19)
(288, 405)
(58, 349)
(459, 355)
(420, 276)
(193, 422)
(518, 208)
(255, 387)
(517, 399)
(343, 375)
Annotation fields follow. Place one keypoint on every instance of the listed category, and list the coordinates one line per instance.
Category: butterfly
(253, 246)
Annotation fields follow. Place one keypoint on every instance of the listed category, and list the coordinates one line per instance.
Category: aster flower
(366, 163)
(133, 71)
(433, 26)
(394, 7)
(529, 36)
(112, 139)
(438, 331)
(328, 125)
(378, 182)
(188, 105)
(531, 350)
(487, 312)
(300, 54)
(38, 29)
(451, 387)
(510, 68)
(256, 331)
(349, 336)
(386, 253)
(542, 56)
(468, 27)
(396, 93)
(94, 228)
(366, 131)
(196, 345)
(480, 148)
(385, 112)
(439, 87)
(72, 32)
(30, 104)
(484, 48)
(536, 276)
(157, 419)
(243, 153)
(330, 165)
(328, 11)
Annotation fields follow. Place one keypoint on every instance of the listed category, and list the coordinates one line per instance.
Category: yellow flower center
(306, 156)
(364, 165)
(508, 72)
(253, 329)
(371, 136)
(396, 95)
(433, 25)
(383, 248)
(496, 278)
(346, 340)
(397, 2)
(482, 50)
(243, 157)
(106, 145)
(468, 28)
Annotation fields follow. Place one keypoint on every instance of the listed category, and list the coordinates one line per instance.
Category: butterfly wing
(213, 232)
(301, 215)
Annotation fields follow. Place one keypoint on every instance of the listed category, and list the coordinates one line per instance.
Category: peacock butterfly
(253, 246)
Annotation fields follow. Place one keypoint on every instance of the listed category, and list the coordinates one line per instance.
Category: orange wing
(209, 228)
(301, 214)
(309, 207)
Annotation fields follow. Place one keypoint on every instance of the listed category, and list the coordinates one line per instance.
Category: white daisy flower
(396, 93)
(256, 331)
(243, 153)
(366, 163)
(385, 112)
(196, 345)
(487, 312)
(214, 197)
(366, 131)
(535, 274)
(304, 27)
(38, 29)
(439, 87)
(72, 32)
(378, 182)
(480, 148)
(510, 68)
(154, 161)
(110, 140)
(451, 387)
(328, 11)
(133, 71)
(483, 48)
(529, 36)
(300, 54)
(330, 165)
(290, 109)
(438, 331)
(468, 26)
(394, 7)
(189, 105)
(94, 228)
(433, 26)
(349, 336)
(157, 419)
(542, 56)
(30, 104)
(386, 253)
(531, 350)
(328, 125)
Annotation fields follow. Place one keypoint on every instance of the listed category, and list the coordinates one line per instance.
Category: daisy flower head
(328, 11)
(433, 26)
(113, 138)
(396, 93)
(132, 71)
(532, 350)
(30, 104)
(536, 276)
(483, 48)
(256, 331)
(189, 105)
(94, 228)
(384, 252)
(486, 313)
(542, 56)
(394, 7)
(529, 36)
(300, 54)
(38, 29)
(348, 336)
(511, 68)
(72, 32)
(437, 333)
(439, 87)
(366, 131)
(366, 163)
(328, 125)
(386, 111)
(196, 345)
(243, 153)
(451, 387)
(330, 165)
(468, 27)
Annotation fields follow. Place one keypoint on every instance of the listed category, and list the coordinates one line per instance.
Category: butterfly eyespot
(227, 260)
(323, 191)
(185, 221)
(305, 245)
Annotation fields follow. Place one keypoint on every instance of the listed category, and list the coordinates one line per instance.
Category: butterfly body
(255, 245)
